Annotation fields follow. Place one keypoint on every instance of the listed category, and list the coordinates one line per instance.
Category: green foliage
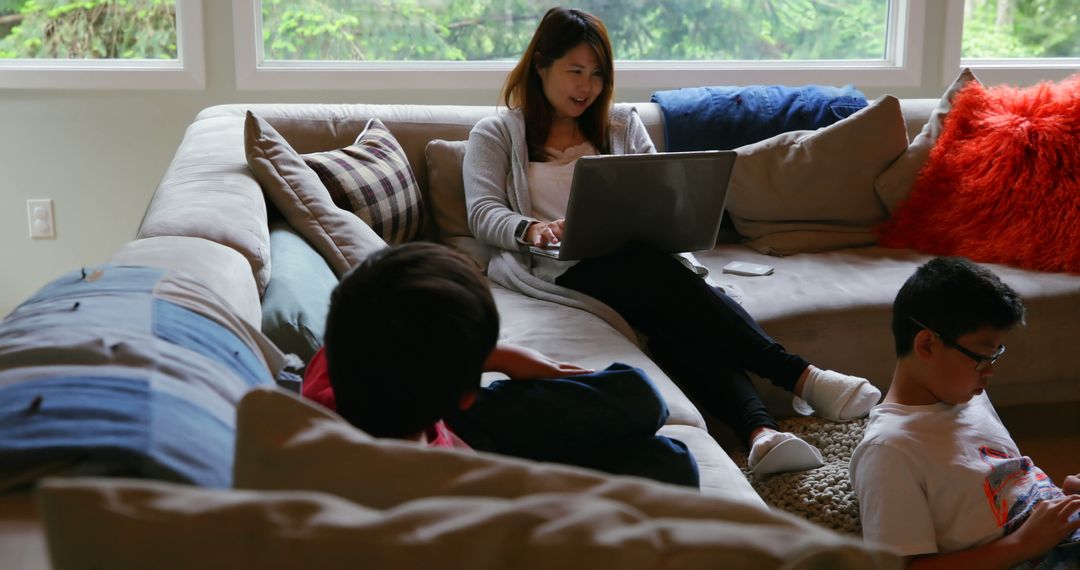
(10, 6)
(93, 29)
(484, 30)
(1039, 28)
(639, 29)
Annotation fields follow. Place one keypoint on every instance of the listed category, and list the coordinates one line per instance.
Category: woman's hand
(1071, 486)
(543, 234)
(520, 363)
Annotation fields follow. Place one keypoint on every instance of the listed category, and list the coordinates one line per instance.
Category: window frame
(901, 67)
(1020, 71)
(187, 71)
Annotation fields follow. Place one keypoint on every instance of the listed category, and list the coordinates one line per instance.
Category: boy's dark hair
(407, 335)
(954, 297)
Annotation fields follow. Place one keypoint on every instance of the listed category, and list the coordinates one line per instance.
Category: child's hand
(520, 363)
(1048, 525)
(1071, 486)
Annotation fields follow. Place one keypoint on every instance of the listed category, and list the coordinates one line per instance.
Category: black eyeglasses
(982, 361)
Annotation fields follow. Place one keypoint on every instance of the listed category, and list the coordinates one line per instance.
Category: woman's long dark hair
(561, 30)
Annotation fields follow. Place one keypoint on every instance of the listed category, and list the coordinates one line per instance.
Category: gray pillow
(297, 299)
(298, 193)
(444, 162)
(807, 191)
(894, 184)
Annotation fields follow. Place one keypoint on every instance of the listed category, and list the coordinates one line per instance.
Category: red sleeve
(316, 385)
(439, 435)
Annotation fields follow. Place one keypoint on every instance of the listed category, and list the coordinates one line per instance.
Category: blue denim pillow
(723, 118)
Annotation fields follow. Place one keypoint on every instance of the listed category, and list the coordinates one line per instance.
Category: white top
(942, 478)
(549, 182)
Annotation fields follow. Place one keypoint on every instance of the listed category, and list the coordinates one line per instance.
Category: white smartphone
(748, 269)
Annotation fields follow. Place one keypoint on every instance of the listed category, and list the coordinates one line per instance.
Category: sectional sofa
(211, 222)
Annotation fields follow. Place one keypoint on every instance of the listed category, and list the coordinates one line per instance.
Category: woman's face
(573, 82)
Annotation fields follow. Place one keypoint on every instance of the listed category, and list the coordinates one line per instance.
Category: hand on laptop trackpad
(549, 250)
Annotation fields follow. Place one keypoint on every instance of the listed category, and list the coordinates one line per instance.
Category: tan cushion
(208, 193)
(444, 160)
(817, 181)
(288, 443)
(123, 523)
(339, 235)
(372, 179)
(894, 184)
(220, 268)
(834, 308)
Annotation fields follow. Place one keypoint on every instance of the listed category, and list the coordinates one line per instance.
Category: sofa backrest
(320, 127)
(209, 192)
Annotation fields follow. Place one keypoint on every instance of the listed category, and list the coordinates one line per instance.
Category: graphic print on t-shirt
(1013, 487)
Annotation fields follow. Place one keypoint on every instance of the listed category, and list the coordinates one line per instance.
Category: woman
(517, 174)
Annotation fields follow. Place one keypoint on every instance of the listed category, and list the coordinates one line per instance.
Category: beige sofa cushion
(444, 160)
(342, 238)
(816, 181)
(834, 308)
(209, 193)
(220, 268)
(121, 524)
(444, 164)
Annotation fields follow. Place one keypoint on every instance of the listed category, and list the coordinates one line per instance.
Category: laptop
(670, 202)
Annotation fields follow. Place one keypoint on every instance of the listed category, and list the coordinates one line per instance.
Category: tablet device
(670, 202)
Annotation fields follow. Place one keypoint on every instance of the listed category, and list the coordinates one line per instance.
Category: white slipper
(836, 396)
(789, 455)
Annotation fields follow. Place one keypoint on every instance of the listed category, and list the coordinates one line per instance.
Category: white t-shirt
(942, 478)
(549, 182)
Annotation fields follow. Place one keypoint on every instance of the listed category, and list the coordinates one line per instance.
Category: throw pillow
(372, 178)
(894, 185)
(817, 181)
(297, 299)
(444, 160)
(1003, 183)
(343, 239)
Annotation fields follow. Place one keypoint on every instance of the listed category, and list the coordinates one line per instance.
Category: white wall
(100, 154)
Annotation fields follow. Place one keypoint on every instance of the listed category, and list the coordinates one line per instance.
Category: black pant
(606, 420)
(703, 339)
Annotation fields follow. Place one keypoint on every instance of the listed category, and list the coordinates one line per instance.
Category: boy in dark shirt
(410, 332)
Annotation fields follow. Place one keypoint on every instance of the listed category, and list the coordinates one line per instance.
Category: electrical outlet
(42, 221)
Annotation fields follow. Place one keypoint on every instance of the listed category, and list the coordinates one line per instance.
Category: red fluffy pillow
(1002, 184)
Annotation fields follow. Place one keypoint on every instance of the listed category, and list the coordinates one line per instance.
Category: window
(1009, 29)
(101, 43)
(93, 29)
(1011, 41)
(485, 30)
(352, 44)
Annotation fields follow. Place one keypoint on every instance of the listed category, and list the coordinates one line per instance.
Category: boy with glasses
(937, 475)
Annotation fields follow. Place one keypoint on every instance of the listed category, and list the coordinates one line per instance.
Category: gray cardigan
(497, 199)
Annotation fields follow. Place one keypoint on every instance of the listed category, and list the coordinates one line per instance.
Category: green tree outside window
(90, 29)
(486, 30)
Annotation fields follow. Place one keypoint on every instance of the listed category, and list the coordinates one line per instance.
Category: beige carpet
(822, 495)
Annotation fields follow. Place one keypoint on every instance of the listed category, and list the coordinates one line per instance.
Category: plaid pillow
(372, 179)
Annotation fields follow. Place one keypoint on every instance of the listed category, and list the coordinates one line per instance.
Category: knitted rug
(821, 495)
